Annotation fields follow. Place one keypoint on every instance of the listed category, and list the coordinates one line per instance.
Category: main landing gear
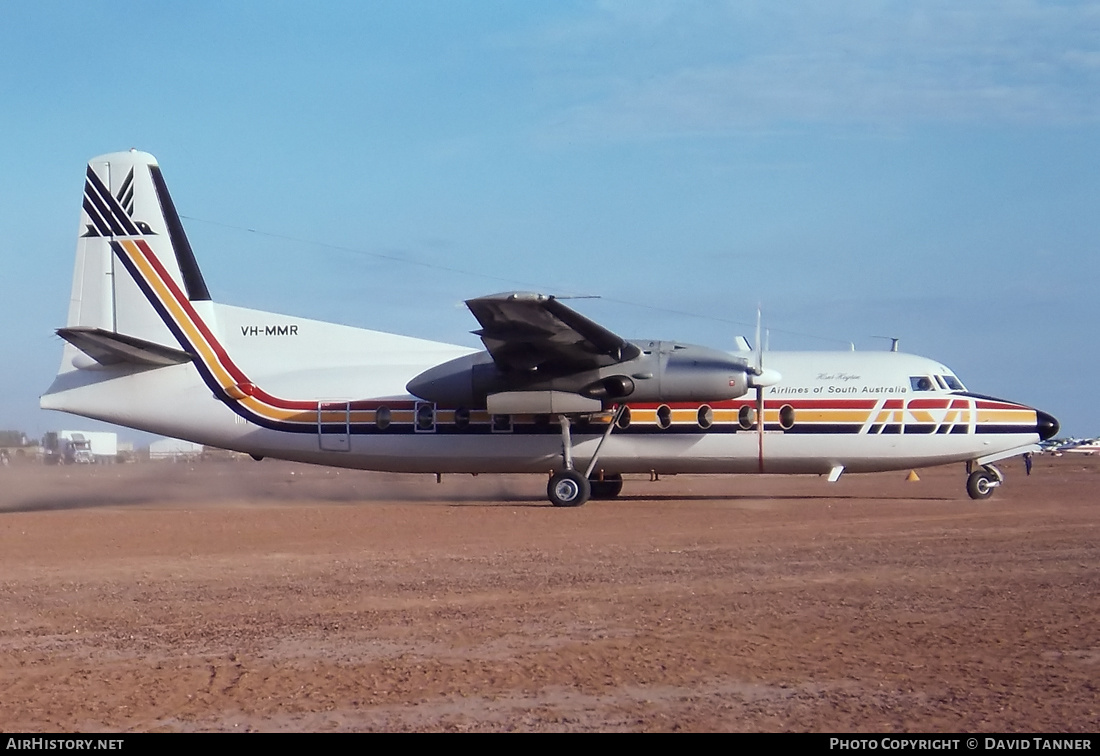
(570, 488)
(981, 482)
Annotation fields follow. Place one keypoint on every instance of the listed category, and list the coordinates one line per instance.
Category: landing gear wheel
(608, 488)
(568, 488)
(980, 484)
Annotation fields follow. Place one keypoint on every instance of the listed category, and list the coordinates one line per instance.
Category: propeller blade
(760, 426)
(758, 346)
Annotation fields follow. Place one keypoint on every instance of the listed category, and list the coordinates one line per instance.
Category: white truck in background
(80, 447)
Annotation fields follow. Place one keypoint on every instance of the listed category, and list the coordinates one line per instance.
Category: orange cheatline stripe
(207, 353)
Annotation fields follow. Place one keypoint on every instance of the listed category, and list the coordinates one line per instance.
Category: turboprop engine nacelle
(663, 372)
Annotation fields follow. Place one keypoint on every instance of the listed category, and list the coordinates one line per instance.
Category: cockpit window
(939, 380)
(921, 383)
(954, 383)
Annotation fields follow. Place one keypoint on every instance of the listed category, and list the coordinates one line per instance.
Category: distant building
(174, 449)
(13, 439)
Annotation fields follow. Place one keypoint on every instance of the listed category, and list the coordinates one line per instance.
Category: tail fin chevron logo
(111, 215)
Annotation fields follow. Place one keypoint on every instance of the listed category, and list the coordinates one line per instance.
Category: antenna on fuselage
(893, 341)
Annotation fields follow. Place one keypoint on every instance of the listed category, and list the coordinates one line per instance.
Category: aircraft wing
(526, 332)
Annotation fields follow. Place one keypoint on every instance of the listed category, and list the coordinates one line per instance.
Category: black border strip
(193, 282)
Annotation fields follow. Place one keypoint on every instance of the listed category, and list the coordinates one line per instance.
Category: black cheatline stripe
(204, 372)
(97, 220)
(1010, 429)
(111, 204)
(919, 429)
(193, 282)
(822, 429)
(831, 429)
(126, 193)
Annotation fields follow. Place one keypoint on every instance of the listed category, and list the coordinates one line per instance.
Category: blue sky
(927, 171)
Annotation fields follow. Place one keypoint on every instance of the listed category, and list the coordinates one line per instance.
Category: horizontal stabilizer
(109, 348)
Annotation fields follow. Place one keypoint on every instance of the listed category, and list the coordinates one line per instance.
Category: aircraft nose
(1046, 425)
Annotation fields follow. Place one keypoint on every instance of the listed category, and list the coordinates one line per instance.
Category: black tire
(568, 488)
(980, 484)
(608, 488)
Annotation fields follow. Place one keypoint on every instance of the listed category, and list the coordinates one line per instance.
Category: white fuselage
(857, 410)
(146, 347)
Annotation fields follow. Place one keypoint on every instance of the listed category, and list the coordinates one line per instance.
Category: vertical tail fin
(126, 202)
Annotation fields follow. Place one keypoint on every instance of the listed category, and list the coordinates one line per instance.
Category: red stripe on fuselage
(215, 346)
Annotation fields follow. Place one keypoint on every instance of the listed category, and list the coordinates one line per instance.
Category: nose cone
(1046, 425)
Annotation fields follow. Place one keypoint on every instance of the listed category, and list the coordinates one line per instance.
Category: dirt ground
(280, 597)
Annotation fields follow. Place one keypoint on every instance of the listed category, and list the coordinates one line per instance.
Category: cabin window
(624, 419)
(664, 416)
(746, 416)
(705, 416)
(382, 418)
(921, 383)
(425, 417)
(786, 417)
(462, 418)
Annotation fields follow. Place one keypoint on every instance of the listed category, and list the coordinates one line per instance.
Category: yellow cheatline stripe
(178, 314)
(324, 417)
(226, 381)
(996, 417)
(830, 416)
(206, 352)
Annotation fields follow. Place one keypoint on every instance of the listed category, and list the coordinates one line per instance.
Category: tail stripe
(120, 223)
(219, 372)
(101, 226)
(192, 277)
(126, 193)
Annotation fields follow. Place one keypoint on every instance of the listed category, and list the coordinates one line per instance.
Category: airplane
(552, 392)
(1086, 446)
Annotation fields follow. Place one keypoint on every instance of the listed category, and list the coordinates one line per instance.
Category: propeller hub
(764, 377)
